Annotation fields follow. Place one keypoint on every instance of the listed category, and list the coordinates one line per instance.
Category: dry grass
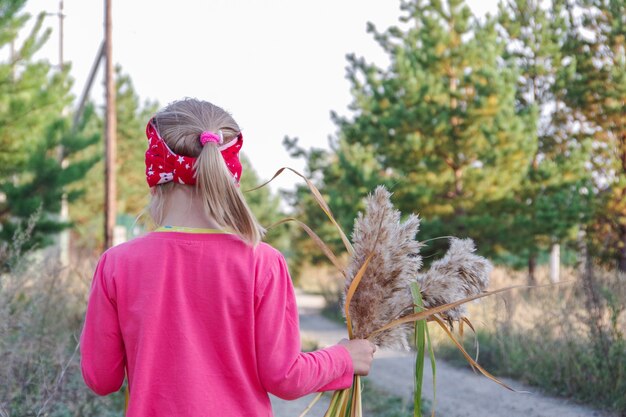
(561, 311)
(41, 311)
(568, 339)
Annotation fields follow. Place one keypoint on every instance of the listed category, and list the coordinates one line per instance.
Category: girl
(200, 314)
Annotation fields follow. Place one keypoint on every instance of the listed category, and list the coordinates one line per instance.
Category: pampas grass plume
(459, 274)
(384, 291)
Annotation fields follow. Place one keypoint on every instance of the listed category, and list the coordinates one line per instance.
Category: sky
(277, 66)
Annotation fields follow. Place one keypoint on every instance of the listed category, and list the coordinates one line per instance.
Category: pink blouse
(204, 325)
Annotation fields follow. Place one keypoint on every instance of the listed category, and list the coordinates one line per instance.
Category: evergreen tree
(549, 204)
(37, 143)
(266, 207)
(595, 82)
(31, 95)
(132, 117)
(132, 192)
(329, 170)
(439, 126)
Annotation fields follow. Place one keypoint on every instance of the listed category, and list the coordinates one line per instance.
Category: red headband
(163, 165)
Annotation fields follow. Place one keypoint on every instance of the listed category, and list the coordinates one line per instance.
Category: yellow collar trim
(189, 230)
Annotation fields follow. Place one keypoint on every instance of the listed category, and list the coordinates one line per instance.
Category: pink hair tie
(206, 137)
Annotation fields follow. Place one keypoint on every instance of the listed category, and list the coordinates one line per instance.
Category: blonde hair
(180, 125)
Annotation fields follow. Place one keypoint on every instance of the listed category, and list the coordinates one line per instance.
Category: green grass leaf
(420, 342)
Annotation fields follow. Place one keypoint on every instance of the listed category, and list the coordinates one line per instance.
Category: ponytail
(222, 198)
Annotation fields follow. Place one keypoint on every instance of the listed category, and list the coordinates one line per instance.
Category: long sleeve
(101, 345)
(284, 370)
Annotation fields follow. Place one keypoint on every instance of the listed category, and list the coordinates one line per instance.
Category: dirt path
(460, 393)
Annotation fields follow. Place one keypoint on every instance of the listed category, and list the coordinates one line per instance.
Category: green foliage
(43, 181)
(554, 199)
(440, 122)
(37, 143)
(439, 127)
(322, 168)
(509, 130)
(132, 117)
(31, 94)
(420, 336)
(562, 367)
(594, 81)
(266, 208)
(132, 190)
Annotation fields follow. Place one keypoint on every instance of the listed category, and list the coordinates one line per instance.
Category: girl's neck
(184, 208)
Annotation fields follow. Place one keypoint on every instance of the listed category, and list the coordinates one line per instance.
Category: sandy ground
(460, 393)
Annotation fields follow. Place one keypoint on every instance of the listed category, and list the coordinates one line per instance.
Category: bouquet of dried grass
(387, 298)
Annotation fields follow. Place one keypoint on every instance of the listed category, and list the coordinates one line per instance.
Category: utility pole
(78, 114)
(64, 215)
(61, 17)
(110, 129)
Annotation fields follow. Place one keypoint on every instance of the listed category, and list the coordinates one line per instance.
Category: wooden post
(555, 263)
(64, 236)
(110, 193)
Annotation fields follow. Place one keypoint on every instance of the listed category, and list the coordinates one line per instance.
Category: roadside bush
(41, 311)
(568, 340)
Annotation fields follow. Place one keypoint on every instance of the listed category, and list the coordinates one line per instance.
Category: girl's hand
(362, 354)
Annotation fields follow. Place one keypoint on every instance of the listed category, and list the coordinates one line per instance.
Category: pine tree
(132, 117)
(37, 144)
(595, 81)
(439, 126)
(132, 192)
(31, 94)
(550, 204)
(266, 207)
(343, 175)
